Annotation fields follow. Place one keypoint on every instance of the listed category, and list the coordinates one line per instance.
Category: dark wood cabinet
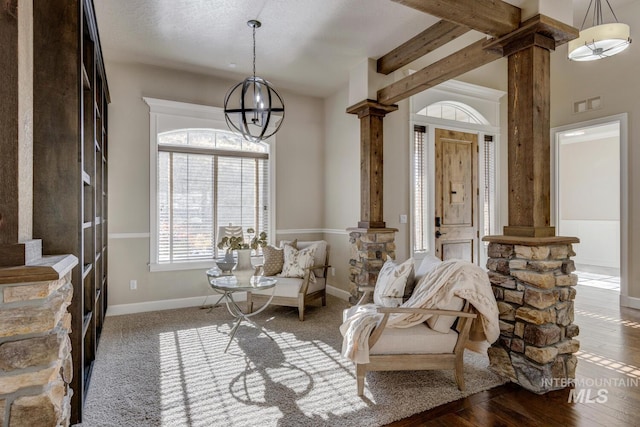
(70, 166)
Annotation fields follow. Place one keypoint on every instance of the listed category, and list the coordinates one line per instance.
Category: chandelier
(601, 40)
(253, 107)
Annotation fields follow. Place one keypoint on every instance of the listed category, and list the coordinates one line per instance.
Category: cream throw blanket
(434, 290)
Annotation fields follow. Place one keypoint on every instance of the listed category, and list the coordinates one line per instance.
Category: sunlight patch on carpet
(267, 381)
(169, 369)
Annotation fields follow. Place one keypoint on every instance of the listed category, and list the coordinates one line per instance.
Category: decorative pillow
(295, 261)
(273, 260)
(442, 324)
(391, 283)
(293, 243)
(320, 257)
(428, 263)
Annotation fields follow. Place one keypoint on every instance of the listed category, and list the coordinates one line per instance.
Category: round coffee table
(228, 285)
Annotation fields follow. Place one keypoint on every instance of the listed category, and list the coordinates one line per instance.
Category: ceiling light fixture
(601, 40)
(253, 107)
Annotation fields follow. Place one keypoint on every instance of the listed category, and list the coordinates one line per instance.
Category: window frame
(193, 116)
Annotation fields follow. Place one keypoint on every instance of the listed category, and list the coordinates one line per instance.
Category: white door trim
(625, 300)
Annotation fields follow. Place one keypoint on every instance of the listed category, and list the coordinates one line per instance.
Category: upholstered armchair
(418, 347)
(309, 285)
(421, 318)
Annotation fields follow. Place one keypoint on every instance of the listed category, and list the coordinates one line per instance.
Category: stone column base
(533, 282)
(370, 248)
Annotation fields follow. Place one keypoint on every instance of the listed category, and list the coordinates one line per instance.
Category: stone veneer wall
(35, 352)
(370, 248)
(534, 286)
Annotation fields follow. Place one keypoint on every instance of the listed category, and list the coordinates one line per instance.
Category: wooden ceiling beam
(493, 17)
(427, 41)
(454, 65)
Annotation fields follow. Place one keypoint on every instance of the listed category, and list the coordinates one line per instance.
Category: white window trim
(215, 115)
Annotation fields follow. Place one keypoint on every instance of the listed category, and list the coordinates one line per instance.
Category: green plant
(234, 243)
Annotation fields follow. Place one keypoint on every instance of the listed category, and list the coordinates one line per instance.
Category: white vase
(244, 269)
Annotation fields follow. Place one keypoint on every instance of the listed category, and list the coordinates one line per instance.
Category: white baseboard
(631, 302)
(167, 304)
(337, 292)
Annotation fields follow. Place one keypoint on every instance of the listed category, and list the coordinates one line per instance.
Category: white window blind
(207, 178)
(489, 185)
(420, 241)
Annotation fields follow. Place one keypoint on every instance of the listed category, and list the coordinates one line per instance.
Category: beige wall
(615, 81)
(589, 175)
(299, 174)
(321, 130)
(342, 182)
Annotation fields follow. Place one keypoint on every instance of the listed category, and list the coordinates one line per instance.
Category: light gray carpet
(167, 368)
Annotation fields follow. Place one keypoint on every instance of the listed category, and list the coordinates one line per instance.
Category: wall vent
(587, 105)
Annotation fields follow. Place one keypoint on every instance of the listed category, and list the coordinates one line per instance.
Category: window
(489, 202)
(452, 110)
(420, 241)
(203, 178)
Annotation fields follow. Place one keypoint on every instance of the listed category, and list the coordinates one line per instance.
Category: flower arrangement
(234, 243)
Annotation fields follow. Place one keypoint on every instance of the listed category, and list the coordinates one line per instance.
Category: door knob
(438, 234)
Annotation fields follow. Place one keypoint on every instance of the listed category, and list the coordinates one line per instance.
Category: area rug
(168, 368)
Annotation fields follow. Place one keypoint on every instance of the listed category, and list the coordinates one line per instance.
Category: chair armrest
(366, 291)
(317, 266)
(391, 310)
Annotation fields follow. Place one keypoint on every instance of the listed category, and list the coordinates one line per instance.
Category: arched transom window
(452, 110)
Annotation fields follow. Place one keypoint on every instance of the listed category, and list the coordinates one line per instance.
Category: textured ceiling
(307, 46)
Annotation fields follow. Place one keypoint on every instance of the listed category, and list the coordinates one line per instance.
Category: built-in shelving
(70, 147)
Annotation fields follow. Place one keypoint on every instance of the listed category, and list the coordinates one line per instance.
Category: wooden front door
(456, 204)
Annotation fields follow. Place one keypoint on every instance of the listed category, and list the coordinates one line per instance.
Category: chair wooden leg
(360, 373)
(301, 312)
(459, 372)
(324, 298)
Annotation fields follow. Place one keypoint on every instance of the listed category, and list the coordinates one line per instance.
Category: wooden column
(16, 140)
(9, 190)
(528, 51)
(529, 141)
(371, 115)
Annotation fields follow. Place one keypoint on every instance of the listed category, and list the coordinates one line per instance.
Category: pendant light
(253, 107)
(601, 40)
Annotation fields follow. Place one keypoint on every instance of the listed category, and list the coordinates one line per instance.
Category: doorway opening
(590, 198)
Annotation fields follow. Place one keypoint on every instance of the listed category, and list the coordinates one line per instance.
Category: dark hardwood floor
(609, 351)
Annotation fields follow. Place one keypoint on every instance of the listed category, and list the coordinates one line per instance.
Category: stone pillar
(370, 248)
(533, 283)
(35, 349)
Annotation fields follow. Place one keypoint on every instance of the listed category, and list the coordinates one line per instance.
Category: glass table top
(230, 283)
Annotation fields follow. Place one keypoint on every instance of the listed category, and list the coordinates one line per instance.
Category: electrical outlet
(333, 271)
(133, 285)
(403, 219)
